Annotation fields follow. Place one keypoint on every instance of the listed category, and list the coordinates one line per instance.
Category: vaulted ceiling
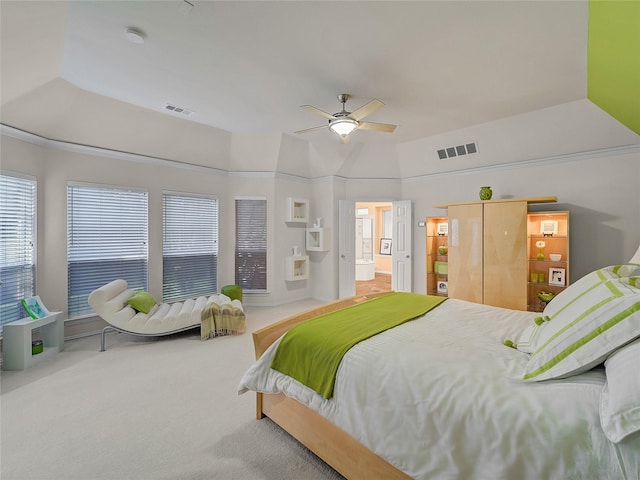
(244, 66)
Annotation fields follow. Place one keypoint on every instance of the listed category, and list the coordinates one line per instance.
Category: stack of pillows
(595, 320)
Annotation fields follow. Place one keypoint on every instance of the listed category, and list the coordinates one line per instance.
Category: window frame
(33, 241)
(266, 244)
(142, 274)
(215, 244)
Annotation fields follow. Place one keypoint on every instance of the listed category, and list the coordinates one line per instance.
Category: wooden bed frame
(337, 448)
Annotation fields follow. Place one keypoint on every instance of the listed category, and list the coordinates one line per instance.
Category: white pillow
(620, 399)
(584, 327)
(527, 341)
(586, 282)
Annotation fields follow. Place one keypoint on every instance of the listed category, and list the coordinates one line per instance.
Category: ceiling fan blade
(322, 113)
(311, 129)
(367, 109)
(378, 127)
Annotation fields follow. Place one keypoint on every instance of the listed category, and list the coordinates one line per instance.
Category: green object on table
(234, 292)
(37, 347)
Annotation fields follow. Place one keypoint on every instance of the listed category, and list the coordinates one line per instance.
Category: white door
(402, 273)
(347, 255)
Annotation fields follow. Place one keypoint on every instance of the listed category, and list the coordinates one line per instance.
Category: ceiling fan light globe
(343, 126)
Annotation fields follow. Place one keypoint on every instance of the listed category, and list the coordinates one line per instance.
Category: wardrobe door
(465, 252)
(505, 254)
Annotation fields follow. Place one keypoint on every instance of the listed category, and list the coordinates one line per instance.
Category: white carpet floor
(161, 409)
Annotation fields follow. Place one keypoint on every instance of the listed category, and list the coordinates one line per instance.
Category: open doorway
(373, 244)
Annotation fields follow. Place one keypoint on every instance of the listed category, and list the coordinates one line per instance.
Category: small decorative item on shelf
(555, 257)
(540, 244)
(318, 223)
(295, 250)
(485, 193)
(546, 297)
(443, 250)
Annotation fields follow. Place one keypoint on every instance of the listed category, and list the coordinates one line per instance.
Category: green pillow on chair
(234, 292)
(142, 301)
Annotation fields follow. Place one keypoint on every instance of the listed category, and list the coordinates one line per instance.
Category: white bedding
(440, 397)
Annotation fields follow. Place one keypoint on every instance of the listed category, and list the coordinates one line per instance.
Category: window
(17, 245)
(251, 243)
(189, 246)
(106, 240)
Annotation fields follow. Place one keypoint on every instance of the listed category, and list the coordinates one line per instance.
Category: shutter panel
(251, 243)
(107, 238)
(189, 247)
(17, 245)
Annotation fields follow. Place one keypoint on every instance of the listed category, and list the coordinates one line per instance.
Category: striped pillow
(585, 325)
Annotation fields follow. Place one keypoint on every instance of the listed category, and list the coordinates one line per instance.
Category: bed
(473, 391)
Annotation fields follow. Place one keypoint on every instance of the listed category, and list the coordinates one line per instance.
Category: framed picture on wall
(443, 287)
(556, 276)
(385, 246)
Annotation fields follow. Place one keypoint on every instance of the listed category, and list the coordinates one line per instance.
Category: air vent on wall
(458, 151)
(180, 110)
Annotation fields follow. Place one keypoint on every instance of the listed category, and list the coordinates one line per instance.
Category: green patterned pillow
(584, 327)
(142, 301)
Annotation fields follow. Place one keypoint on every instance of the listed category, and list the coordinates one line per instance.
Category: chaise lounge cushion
(111, 303)
(142, 301)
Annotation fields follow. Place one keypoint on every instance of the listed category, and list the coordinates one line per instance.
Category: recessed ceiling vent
(180, 110)
(458, 151)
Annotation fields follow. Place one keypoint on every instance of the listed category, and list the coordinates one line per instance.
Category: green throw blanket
(312, 351)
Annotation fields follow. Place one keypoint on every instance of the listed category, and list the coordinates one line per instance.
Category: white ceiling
(245, 66)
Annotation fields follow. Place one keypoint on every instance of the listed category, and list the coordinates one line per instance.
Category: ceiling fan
(343, 122)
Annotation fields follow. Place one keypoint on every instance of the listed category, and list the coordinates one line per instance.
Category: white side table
(16, 340)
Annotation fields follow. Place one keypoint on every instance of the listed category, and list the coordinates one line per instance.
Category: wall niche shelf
(296, 268)
(297, 210)
(317, 239)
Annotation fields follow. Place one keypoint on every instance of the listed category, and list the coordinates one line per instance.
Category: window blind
(251, 243)
(189, 246)
(17, 245)
(106, 239)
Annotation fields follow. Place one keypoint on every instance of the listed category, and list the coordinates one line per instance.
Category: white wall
(598, 188)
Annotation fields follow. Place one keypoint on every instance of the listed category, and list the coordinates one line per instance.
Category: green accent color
(234, 292)
(538, 320)
(509, 343)
(485, 193)
(615, 293)
(612, 322)
(142, 301)
(613, 59)
(312, 351)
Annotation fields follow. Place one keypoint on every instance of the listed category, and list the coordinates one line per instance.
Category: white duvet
(440, 398)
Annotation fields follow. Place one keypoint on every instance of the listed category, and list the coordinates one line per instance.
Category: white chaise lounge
(110, 302)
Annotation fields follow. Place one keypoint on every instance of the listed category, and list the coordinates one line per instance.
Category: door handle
(408, 256)
(342, 256)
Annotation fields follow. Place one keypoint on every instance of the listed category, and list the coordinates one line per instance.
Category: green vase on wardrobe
(485, 193)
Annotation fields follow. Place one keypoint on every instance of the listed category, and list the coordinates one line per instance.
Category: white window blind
(251, 243)
(106, 240)
(189, 246)
(17, 245)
